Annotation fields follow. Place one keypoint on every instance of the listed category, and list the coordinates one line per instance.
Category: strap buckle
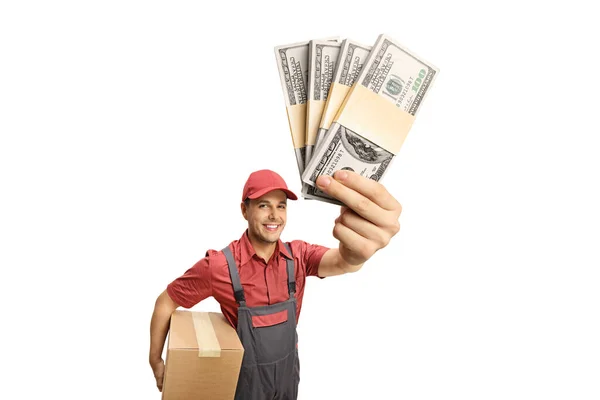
(292, 287)
(239, 296)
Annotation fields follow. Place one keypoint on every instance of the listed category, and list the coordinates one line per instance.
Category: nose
(274, 214)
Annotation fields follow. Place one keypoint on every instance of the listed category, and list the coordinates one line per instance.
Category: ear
(244, 210)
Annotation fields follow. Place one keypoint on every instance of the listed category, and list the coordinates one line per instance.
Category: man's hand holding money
(369, 218)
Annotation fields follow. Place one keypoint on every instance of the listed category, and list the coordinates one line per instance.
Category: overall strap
(290, 272)
(238, 291)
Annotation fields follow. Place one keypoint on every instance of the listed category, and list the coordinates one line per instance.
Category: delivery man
(259, 280)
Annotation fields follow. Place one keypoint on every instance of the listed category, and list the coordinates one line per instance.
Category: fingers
(356, 201)
(380, 237)
(358, 247)
(369, 188)
(159, 375)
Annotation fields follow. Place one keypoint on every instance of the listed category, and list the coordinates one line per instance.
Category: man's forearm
(159, 327)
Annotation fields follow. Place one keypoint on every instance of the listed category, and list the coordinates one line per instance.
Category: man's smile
(271, 227)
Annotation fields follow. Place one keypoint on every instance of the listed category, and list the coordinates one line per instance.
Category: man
(259, 281)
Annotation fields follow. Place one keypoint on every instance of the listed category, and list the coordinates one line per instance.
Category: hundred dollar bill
(396, 75)
(323, 57)
(346, 150)
(349, 65)
(292, 64)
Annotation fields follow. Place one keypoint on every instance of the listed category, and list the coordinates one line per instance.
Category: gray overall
(270, 366)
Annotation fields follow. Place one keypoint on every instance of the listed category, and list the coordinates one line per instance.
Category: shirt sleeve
(312, 255)
(193, 286)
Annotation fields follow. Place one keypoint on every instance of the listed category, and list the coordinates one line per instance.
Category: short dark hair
(247, 202)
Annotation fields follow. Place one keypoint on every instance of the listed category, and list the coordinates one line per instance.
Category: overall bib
(270, 366)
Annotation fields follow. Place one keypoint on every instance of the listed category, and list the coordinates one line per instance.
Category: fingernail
(323, 181)
(341, 175)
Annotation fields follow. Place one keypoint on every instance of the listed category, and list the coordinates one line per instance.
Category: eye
(282, 206)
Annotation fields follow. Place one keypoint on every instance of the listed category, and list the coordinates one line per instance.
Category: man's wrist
(348, 266)
(352, 268)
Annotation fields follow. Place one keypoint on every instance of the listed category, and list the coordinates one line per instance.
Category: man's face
(266, 216)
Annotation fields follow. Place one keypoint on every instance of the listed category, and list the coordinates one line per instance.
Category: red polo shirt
(263, 283)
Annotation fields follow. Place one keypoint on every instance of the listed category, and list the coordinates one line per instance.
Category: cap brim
(290, 195)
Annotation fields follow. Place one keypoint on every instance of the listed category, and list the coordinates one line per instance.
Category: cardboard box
(204, 356)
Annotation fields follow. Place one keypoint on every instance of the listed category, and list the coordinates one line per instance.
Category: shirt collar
(247, 250)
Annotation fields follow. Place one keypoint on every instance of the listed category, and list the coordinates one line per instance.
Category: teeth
(272, 226)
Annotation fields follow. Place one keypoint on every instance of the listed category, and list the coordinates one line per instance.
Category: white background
(128, 130)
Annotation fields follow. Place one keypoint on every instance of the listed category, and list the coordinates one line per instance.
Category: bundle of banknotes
(349, 105)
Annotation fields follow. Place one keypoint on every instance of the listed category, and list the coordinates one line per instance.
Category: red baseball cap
(264, 181)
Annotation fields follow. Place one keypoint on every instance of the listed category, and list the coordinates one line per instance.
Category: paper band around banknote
(335, 98)
(374, 118)
(208, 343)
(314, 112)
(297, 120)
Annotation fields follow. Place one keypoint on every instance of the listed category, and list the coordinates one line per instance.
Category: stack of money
(350, 106)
